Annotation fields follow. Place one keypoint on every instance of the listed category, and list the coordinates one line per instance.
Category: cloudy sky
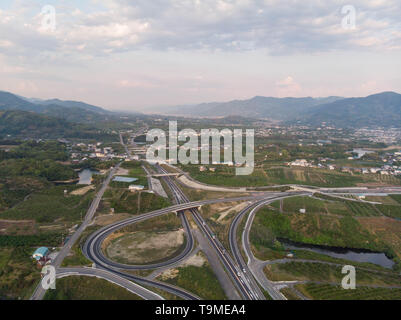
(126, 54)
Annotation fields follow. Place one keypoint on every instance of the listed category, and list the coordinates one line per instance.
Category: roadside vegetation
(331, 292)
(266, 175)
(323, 272)
(18, 273)
(88, 288)
(124, 201)
(52, 204)
(321, 229)
(334, 206)
(198, 279)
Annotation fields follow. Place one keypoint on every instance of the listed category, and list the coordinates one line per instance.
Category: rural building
(41, 254)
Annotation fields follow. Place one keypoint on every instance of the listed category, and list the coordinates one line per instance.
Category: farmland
(331, 292)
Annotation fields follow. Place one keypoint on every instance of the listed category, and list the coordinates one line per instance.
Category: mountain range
(72, 111)
(257, 107)
(378, 110)
(382, 109)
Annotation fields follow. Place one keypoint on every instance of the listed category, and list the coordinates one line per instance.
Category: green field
(268, 176)
(330, 292)
(312, 177)
(124, 201)
(225, 176)
(389, 206)
(50, 204)
(312, 229)
(321, 272)
(136, 171)
(87, 288)
(338, 207)
(18, 273)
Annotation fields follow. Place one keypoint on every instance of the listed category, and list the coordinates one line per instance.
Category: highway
(246, 288)
(92, 247)
(241, 273)
(98, 239)
(249, 273)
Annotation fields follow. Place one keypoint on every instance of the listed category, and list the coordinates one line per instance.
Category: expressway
(93, 251)
(240, 272)
(248, 272)
(247, 289)
(99, 238)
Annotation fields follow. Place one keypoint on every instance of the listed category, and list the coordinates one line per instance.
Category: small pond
(85, 176)
(342, 253)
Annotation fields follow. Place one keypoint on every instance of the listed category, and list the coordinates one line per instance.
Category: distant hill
(33, 125)
(74, 104)
(69, 110)
(257, 107)
(383, 109)
(9, 101)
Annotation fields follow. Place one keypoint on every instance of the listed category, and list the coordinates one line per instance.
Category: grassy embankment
(267, 176)
(198, 279)
(331, 292)
(326, 223)
(86, 288)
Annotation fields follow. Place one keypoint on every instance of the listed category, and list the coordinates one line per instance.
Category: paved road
(39, 291)
(247, 290)
(95, 241)
(346, 190)
(246, 271)
(111, 277)
(256, 266)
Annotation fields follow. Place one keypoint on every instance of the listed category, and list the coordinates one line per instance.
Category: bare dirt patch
(218, 211)
(169, 274)
(82, 191)
(122, 172)
(107, 219)
(197, 260)
(237, 208)
(11, 227)
(144, 247)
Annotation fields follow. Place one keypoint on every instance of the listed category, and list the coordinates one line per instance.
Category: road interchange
(242, 274)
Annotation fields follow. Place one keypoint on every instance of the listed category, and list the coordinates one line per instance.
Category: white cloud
(131, 46)
(288, 87)
(281, 27)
